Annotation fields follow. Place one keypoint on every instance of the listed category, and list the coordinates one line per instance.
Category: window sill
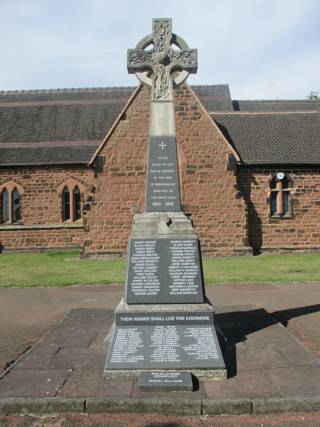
(40, 226)
(281, 217)
(69, 222)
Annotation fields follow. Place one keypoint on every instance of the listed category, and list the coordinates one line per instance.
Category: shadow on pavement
(237, 325)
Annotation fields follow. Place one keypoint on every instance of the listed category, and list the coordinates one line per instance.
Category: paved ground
(26, 314)
(267, 362)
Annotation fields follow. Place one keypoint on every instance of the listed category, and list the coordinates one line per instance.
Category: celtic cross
(162, 60)
(156, 64)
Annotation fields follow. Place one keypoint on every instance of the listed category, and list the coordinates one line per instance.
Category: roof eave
(56, 163)
(269, 163)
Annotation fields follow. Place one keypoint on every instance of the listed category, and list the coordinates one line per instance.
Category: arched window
(76, 204)
(71, 196)
(15, 205)
(4, 205)
(65, 204)
(280, 204)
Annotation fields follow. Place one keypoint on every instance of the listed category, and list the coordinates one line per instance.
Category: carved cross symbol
(162, 145)
(162, 60)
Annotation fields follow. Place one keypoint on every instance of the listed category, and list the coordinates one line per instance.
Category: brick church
(73, 169)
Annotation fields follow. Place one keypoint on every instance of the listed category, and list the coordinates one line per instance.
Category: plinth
(165, 321)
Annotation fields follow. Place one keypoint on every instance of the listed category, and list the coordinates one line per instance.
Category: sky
(264, 49)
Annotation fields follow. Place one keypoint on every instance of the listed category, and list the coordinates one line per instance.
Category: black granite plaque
(167, 318)
(165, 347)
(164, 271)
(180, 381)
(163, 194)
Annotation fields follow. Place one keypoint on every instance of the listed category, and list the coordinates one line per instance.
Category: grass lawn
(65, 268)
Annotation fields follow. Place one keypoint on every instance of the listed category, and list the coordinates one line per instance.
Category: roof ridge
(276, 100)
(207, 85)
(61, 90)
(82, 89)
(262, 112)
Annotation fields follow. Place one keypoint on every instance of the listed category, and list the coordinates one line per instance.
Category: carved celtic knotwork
(162, 83)
(162, 59)
(139, 57)
(184, 58)
(161, 36)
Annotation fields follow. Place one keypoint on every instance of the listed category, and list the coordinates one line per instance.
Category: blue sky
(264, 49)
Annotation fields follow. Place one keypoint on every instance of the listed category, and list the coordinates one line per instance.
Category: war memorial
(168, 345)
(165, 320)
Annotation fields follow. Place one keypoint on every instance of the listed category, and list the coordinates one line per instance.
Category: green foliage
(66, 268)
(314, 96)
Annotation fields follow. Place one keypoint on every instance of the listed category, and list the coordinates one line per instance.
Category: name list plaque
(164, 271)
(163, 193)
(136, 347)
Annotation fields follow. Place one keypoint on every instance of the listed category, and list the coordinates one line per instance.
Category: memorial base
(164, 323)
(154, 337)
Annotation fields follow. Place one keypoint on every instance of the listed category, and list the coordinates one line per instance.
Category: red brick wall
(208, 184)
(227, 206)
(41, 207)
(302, 230)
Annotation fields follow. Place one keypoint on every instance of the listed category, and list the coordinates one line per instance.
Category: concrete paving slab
(33, 382)
(83, 358)
(98, 344)
(43, 405)
(89, 383)
(196, 394)
(245, 385)
(39, 356)
(295, 381)
(163, 405)
(286, 404)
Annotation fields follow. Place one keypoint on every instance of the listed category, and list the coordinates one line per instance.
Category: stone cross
(167, 67)
(162, 60)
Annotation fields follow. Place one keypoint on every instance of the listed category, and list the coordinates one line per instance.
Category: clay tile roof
(214, 97)
(67, 125)
(273, 138)
(46, 155)
(56, 126)
(267, 106)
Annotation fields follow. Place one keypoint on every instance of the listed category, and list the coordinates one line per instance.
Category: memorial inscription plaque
(162, 346)
(165, 381)
(163, 193)
(164, 271)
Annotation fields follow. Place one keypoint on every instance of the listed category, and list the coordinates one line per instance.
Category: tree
(314, 95)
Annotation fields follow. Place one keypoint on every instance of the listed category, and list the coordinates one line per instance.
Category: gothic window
(4, 205)
(71, 200)
(65, 204)
(76, 204)
(280, 203)
(15, 205)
